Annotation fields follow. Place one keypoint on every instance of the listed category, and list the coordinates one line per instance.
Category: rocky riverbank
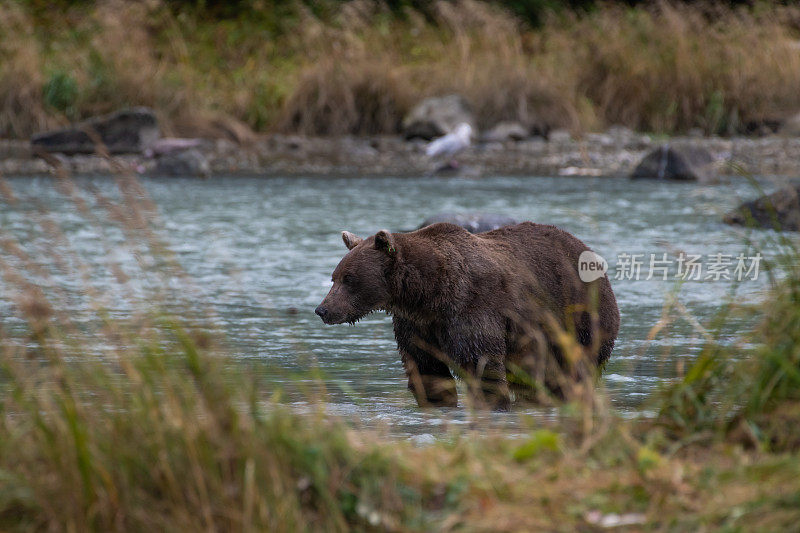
(614, 153)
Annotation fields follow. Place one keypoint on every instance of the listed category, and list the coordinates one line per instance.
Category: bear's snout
(336, 308)
(322, 312)
(328, 315)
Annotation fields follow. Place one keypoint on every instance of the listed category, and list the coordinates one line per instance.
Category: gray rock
(677, 162)
(472, 222)
(126, 131)
(437, 116)
(506, 131)
(189, 162)
(779, 210)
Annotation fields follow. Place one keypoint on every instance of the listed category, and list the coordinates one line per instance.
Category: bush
(61, 92)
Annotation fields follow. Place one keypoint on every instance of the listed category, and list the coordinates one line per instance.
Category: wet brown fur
(487, 306)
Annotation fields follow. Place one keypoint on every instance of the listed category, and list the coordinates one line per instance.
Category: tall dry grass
(21, 111)
(673, 67)
(663, 67)
(472, 48)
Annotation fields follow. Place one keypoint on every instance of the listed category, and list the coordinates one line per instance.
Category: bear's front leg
(477, 344)
(430, 381)
(429, 377)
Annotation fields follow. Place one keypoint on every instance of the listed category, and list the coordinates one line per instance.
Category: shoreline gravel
(602, 154)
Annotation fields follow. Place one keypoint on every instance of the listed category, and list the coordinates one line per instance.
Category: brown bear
(505, 309)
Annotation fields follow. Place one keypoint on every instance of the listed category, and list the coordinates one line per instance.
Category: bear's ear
(350, 240)
(384, 241)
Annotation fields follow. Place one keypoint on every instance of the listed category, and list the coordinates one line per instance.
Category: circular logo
(591, 266)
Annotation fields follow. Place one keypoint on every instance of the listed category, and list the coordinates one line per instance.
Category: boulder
(472, 222)
(437, 116)
(127, 131)
(506, 131)
(677, 162)
(189, 162)
(779, 210)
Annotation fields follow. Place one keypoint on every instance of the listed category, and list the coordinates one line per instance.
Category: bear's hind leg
(489, 384)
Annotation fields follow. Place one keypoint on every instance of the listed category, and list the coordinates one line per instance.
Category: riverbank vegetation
(147, 422)
(331, 68)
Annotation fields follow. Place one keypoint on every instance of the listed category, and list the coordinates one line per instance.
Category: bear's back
(531, 233)
(536, 246)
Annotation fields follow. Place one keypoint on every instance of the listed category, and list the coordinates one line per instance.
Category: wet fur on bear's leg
(489, 386)
(436, 387)
(429, 377)
(472, 343)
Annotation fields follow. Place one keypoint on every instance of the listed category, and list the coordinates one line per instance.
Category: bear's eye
(347, 279)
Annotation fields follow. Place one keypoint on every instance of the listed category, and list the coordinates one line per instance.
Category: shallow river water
(261, 252)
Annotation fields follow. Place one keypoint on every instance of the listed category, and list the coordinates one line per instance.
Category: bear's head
(359, 281)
